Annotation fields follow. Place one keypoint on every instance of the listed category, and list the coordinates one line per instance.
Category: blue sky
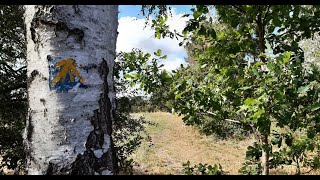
(132, 34)
(134, 10)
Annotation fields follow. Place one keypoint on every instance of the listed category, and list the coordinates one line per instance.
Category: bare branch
(23, 67)
(211, 113)
(231, 120)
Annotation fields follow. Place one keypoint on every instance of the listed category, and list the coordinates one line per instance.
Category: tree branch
(10, 68)
(288, 32)
(23, 67)
(255, 133)
(264, 22)
(7, 66)
(229, 120)
(239, 9)
(261, 33)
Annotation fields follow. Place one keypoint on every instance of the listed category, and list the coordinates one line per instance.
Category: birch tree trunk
(70, 55)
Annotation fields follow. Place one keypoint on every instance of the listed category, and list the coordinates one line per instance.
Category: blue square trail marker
(64, 75)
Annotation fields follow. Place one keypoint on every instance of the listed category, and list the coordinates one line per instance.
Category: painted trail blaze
(63, 75)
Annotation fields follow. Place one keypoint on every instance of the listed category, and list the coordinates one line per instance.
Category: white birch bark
(70, 132)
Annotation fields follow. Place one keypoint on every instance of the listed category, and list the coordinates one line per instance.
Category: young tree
(70, 55)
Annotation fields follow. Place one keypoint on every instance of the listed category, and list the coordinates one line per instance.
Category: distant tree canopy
(13, 84)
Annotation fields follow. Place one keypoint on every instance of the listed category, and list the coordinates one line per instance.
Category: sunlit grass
(173, 143)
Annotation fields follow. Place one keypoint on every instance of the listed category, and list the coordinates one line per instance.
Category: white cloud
(132, 34)
(172, 64)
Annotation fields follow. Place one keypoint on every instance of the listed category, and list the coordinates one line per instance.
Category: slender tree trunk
(262, 49)
(265, 156)
(261, 33)
(70, 54)
(298, 170)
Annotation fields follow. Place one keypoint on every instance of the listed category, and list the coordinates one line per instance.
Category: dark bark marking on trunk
(101, 121)
(45, 110)
(29, 126)
(33, 34)
(51, 19)
(107, 124)
(76, 9)
(32, 77)
(113, 157)
(85, 164)
(56, 167)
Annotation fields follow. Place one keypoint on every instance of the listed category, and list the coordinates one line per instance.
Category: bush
(127, 135)
(202, 169)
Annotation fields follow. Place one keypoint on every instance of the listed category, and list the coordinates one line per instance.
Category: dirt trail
(172, 143)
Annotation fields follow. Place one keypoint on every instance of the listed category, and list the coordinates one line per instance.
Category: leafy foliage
(253, 73)
(13, 104)
(144, 72)
(127, 130)
(202, 169)
(127, 137)
(161, 12)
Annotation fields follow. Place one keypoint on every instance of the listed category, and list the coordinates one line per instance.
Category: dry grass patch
(172, 143)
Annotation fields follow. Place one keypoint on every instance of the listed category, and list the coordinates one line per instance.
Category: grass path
(173, 143)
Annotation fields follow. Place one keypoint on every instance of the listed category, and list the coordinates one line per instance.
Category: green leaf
(270, 66)
(158, 53)
(258, 64)
(251, 31)
(161, 19)
(258, 114)
(315, 107)
(178, 95)
(164, 57)
(250, 101)
(196, 14)
(135, 76)
(132, 84)
(302, 90)
(127, 76)
(158, 35)
(203, 66)
(246, 87)
(286, 57)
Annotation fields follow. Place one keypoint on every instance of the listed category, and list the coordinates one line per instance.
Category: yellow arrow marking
(68, 66)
